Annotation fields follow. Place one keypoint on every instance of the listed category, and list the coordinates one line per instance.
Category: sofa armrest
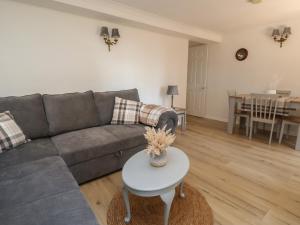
(168, 119)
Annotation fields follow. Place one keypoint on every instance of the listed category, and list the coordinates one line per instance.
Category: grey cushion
(71, 111)
(83, 145)
(67, 208)
(29, 114)
(42, 192)
(35, 180)
(105, 102)
(33, 150)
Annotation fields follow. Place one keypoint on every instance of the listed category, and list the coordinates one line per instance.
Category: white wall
(267, 67)
(48, 51)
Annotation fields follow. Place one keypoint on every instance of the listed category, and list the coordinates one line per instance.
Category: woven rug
(191, 210)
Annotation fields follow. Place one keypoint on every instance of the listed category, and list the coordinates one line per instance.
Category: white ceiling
(220, 15)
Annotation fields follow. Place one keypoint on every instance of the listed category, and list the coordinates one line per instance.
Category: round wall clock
(241, 54)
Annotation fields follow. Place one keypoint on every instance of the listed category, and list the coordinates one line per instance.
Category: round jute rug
(191, 210)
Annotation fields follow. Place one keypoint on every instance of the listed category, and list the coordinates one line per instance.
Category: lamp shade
(172, 90)
(275, 33)
(115, 33)
(287, 30)
(104, 32)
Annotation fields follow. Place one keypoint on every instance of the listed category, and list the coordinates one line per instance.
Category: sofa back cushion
(28, 112)
(105, 102)
(71, 111)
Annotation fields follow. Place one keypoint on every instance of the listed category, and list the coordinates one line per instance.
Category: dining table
(290, 102)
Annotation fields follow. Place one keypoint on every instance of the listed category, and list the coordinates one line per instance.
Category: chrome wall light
(281, 37)
(110, 39)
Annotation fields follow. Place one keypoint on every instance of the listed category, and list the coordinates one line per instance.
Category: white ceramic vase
(159, 160)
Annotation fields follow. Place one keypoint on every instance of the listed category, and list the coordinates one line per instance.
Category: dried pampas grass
(159, 140)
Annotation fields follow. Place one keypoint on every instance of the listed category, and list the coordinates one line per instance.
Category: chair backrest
(264, 106)
(283, 93)
(271, 92)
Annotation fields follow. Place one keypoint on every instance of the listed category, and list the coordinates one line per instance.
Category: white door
(196, 82)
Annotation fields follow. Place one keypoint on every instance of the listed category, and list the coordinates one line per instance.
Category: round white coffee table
(142, 179)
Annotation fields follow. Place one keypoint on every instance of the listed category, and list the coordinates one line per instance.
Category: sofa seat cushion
(33, 150)
(42, 192)
(28, 112)
(83, 145)
(67, 208)
(71, 111)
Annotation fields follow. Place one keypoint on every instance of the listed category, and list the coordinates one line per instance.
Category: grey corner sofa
(71, 137)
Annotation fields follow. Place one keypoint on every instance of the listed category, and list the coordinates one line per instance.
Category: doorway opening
(197, 79)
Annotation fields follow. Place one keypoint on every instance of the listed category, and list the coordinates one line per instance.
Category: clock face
(241, 54)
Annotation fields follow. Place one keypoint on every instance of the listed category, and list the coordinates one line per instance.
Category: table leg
(167, 198)
(182, 122)
(127, 205)
(181, 192)
(297, 147)
(231, 120)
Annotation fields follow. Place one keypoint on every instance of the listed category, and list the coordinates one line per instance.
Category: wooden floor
(245, 182)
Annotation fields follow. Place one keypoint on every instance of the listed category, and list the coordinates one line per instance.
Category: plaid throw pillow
(126, 111)
(11, 134)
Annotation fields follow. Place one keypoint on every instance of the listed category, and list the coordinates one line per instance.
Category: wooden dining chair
(289, 121)
(263, 110)
(282, 93)
(238, 113)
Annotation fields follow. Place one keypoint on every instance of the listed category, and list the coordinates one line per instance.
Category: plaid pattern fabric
(150, 114)
(126, 111)
(11, 134)
(282, 109)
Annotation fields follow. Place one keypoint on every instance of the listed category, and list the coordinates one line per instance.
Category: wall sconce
(107, 38)
(255, 1)
(281, 37)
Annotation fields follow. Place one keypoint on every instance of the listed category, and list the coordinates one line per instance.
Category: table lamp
(172, 90)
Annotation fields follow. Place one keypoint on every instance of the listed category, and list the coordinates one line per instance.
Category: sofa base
(98, 167)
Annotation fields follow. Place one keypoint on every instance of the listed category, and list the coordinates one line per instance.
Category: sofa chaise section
(31, 151)
(42, 192)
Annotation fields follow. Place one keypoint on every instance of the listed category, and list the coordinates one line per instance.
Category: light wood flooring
(245, 182)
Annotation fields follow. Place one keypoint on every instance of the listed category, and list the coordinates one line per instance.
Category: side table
(181, 113)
